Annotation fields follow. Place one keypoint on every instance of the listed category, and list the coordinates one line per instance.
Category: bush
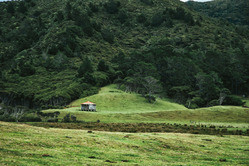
(150, 98)
(53, 120)
(213, 103)
(30, 118)
(198, 101)
(7, 118)
(233, 100)
(66, 118)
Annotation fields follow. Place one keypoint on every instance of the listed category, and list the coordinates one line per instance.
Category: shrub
(150, 98)
(73, 118)
(213, 103)
(30, 118)
(233, 100)
(66, 118)
(7, 118)
(52, 120)
(198, 101)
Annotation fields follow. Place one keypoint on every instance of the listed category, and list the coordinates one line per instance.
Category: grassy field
(112, 100)
(26, 145)
(116, 106)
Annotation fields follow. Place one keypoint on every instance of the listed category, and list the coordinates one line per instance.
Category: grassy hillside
(26, 145)
(111, 100)
(117, 106)
(222, 115)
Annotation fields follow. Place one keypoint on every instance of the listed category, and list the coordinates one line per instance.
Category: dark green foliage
(26, 69)
(30, 118)
(196, 102)
(59, 16)
(122, 16)
(141, 18)
(107, 35)
(85, 68)
(66, 118)
(94, 8)
(157, 19)
(180, 93)
(10, 8)
(53, 52)
(21, 7)
(112, 6)
(68, 10)
(147, 2)
(69, 118)
(233, 100)
(150, 98)
(237, 13)
(102, 66)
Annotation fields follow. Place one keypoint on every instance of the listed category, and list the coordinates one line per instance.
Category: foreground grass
(27, 145)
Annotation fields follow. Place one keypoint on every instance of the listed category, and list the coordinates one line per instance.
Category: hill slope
(112, 100)
(236, 12)
(53, 52)
(117, 106)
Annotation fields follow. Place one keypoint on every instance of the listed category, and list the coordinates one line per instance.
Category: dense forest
(234, 11)
(52, 52)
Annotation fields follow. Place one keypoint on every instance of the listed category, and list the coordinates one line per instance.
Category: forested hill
(52, 52)
(234, 11)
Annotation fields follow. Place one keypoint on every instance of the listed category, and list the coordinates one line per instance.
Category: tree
(151, 86)
(157, 19)
(59, 16)
(208, 86)
(223, 94)
(22, 8)
(10, 8)
(107, 35)
(112, 6)
(68, 10)
(122, 16)
(85, 68)
(102, 66)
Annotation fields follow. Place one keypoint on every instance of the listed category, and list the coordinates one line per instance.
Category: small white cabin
(88, 106)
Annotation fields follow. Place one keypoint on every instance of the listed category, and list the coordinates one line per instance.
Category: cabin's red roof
(88, 102)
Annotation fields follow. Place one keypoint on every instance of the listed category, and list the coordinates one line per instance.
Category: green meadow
(116, 106)
(21, 144)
